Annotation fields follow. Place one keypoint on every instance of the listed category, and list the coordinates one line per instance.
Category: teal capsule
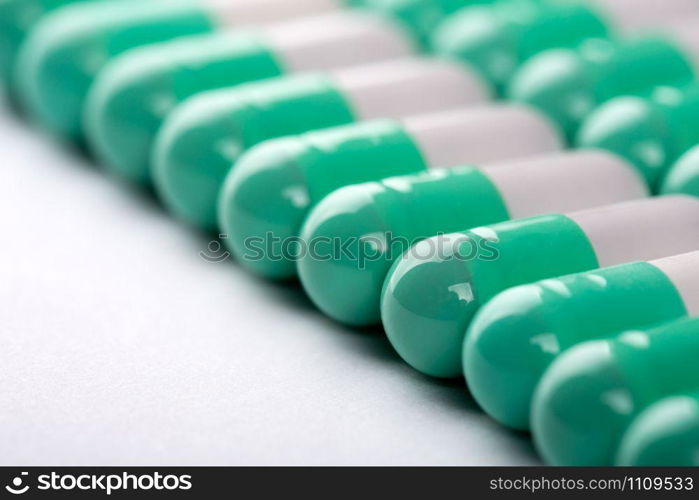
(519, 333)
(17, 17)
(664, 435)
(567, 85)
(271, 192)
(208, 136)
(652, 132)
(428, 304)
(374, 224)
(683, 177)
(589, 396)
(68, 48)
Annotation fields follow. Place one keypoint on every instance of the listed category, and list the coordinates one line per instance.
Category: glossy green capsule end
(426, 327)
(581, 406)
(196, 147)
(344, 270)
(262, 206)
(664, 435)
(66, 50)
(507, 348)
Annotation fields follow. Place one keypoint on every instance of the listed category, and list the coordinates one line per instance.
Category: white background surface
(120, 345)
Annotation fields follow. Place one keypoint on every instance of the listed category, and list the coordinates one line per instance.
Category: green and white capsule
(17, 17)
(567, 85)
(517, 335)
(133, 95)
(374, 224)
(65, 51)
(683, 177)
(428, 304)
(269, 195)
(651, 132)
(588, 398)
(497, 39)
(206, 136)
(664, 435)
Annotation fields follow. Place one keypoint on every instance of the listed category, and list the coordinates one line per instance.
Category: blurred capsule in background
(67, 49)
(203, 140)
(520, 332)
(375, 224)
(664, 435)
(590, 395)
(496, 39)
(567, 85)
(17, 17)
(652, 132)
(428, 304)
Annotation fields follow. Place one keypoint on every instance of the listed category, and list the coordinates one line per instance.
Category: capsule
(666, 434)
(65, 51)
(133, 95)
(683, 177)
(652, 132)
(567, 85)
(497, 39)
(17, 17)
(269, 195)
(428, 304)
(374, 224)
(206, 136)
(518, 334)
(589, 396)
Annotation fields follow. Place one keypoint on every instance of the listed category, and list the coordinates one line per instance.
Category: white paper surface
(121, 346)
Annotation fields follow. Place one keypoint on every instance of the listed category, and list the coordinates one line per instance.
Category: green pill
(664, 435)
(496, 39)
(207, 136)
(278, 183)
(567, 85)
(133, 95)
(428, 304)
(17, 17)
(589, 396)
(519, 333)
(68, 48)
(683, 177)
(354, 235)
(651, 132)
